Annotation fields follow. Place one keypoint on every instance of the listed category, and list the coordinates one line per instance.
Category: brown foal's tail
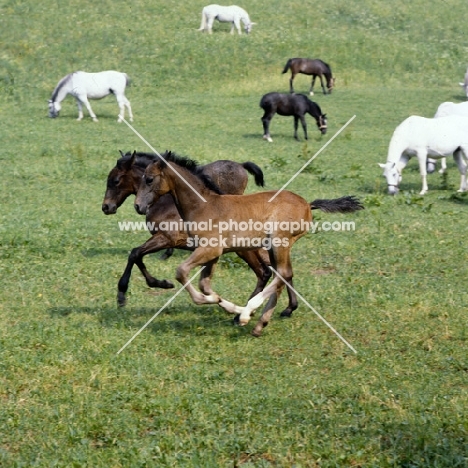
(347, 204)
(286, 67)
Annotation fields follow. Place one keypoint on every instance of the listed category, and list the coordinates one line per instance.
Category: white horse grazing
(83, 86)
(419, 136)
(447, 108)
(465, 84)
(225, 14)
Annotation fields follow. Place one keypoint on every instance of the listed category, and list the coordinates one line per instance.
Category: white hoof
(423, 192)
(268, 138)
(311, 93)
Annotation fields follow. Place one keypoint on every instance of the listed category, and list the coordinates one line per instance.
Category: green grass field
(193, 390)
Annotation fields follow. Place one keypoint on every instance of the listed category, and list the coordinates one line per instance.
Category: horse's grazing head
(322, 123)
(119, 184)
(393, 176)
(54, 109)
(248, 27)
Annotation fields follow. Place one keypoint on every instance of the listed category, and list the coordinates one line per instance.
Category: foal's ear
(121, 154)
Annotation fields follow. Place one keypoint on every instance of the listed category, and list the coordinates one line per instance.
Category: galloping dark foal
(124, 180)
(291, 104)
(314, 67)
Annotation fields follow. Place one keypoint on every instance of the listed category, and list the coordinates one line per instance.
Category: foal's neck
(188, 193)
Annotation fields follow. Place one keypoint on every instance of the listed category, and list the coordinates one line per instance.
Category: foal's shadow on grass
(187, 319)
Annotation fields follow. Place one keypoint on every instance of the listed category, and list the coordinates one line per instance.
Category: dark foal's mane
(192, 166)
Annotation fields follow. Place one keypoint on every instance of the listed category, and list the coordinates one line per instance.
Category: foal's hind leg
(292, 305)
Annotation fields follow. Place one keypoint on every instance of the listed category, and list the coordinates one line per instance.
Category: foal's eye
(116, 181)
(149, 180)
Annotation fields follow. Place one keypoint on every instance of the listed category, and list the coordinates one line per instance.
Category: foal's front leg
(312, 83)
(84, 100)
(267, 116)
(154, 244)
(200, 256)
(422, 159)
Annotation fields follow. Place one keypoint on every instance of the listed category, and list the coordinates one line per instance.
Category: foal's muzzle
(392, 189)
(323, 130)
(109, 208)
(140, 209)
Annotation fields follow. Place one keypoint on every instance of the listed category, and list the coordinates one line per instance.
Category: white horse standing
(225, 14)
(447, 108)
(419, 136)
(83, 86)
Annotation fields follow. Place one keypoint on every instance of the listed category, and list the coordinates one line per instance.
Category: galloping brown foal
(253, 212)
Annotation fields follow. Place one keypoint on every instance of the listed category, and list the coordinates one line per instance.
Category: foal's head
(157, 181)
(322, 123)
(120, 183)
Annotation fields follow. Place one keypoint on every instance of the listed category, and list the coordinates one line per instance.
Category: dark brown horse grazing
(291, 104)
(314, 67)
(124, 180)
(243, 222)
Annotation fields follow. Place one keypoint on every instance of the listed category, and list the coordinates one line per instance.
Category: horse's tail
(255, 171)
(346, 204)
(286, 67)
(128, 81)
(203, 21)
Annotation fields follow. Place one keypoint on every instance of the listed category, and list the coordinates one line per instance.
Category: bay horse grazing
(233, 223)
(225, 14)
(422, 137)
(314, 67)
(124, 180)
(296, 105)
(83, 86)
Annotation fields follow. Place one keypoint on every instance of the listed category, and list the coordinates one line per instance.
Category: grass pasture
(192, 389)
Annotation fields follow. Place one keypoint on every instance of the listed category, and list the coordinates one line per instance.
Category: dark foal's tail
(286, 67)
(347, 204)
(255, 171)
